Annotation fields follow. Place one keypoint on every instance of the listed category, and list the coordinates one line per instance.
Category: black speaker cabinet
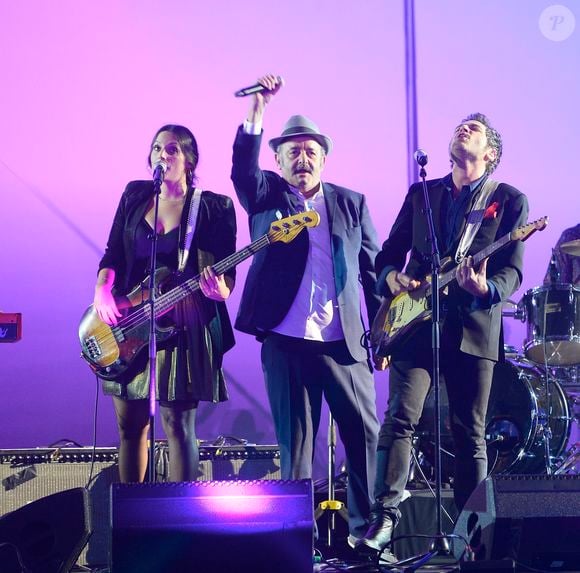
(32, 474)
(219, 526)
(532, 519)
(47, 535)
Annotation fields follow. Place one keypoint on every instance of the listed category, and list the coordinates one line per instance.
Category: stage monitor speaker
(217, 526)
(47, 535)
(532, 519)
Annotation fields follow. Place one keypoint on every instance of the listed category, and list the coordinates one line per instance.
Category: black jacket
(276, 272)
(215, 235)
(479, 329)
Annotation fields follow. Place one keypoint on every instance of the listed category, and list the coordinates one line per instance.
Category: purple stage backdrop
(86, 84)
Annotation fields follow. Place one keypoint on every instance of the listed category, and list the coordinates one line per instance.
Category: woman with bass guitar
(194, 230)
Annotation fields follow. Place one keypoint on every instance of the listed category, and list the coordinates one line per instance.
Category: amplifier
(10, 326)
(30, 474)
(240, 462)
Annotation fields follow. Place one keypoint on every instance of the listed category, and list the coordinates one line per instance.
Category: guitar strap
(183, 254)
(475, 218)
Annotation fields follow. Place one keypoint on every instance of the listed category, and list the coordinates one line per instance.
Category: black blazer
(479, 329)
(276, 272)
(215, 235)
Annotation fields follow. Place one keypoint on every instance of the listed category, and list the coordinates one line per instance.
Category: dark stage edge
(322, 568)
(418, 517)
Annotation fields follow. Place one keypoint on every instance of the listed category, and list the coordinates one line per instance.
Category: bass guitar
(111, 350)
(398, 316)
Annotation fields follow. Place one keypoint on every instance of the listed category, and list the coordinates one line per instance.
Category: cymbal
(571, 247)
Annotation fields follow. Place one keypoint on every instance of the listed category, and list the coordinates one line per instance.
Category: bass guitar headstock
(287, 229)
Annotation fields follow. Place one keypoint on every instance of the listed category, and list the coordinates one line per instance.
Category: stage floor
(358, 567)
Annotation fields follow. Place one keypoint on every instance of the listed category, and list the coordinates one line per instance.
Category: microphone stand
(157, 180)
(440, 544)
(331, 504)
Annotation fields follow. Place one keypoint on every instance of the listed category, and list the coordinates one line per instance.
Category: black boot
(379, 533)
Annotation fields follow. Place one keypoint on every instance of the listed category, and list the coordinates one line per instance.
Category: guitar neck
(169, 299)
(451, 275)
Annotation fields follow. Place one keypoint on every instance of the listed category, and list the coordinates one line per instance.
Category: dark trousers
(468, 382)
(298, 374)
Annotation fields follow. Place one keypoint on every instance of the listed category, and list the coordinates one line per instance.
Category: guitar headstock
(287, 229)
(526, 231)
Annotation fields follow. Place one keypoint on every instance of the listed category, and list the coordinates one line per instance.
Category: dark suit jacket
(478, 329)
(276, 272)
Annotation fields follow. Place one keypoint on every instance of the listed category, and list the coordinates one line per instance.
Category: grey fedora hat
(299, 125)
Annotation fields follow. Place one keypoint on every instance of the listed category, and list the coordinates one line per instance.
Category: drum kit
(535, 396)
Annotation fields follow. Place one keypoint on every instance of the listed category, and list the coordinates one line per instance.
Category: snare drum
(553, 324)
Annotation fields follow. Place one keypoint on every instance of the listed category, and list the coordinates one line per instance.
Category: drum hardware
(422, 474)
(568, 377)
(512, 309)
(545, 418)
(545, 433)
(510, 351)
(417, 465)
(491, 439)
(571, 463)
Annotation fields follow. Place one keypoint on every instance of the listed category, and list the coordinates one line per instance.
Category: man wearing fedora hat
(302, 299)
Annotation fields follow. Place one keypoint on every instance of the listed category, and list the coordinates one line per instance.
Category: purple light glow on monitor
(214, 526)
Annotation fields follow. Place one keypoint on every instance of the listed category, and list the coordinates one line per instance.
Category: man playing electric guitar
(471, 340)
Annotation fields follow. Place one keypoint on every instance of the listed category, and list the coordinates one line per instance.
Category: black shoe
(379, 533)
(387, 557)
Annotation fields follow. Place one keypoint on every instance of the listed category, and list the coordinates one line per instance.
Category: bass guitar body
(111, 350)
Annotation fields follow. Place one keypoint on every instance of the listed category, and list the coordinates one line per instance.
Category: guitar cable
(365, 340)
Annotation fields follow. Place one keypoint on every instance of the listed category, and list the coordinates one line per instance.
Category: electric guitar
(398, 316)
(110, 350)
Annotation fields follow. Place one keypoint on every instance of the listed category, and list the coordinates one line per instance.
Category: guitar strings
(167, 300)
(480, 256)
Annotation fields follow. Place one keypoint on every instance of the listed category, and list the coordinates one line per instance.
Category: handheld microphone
(159, 170)
(421, 157)
(256, 89)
